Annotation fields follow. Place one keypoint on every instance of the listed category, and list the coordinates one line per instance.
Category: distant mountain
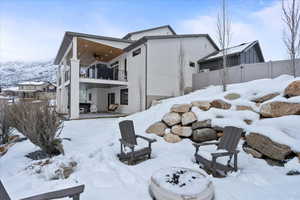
(13, 72)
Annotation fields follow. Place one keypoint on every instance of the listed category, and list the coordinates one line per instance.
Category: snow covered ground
(94, 145)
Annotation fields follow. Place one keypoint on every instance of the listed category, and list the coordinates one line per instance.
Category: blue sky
(33, 29)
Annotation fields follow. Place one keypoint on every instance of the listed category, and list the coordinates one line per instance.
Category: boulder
(220, 104)
(278, 109)
(267, 147)
(273, 162)
(265, 98)
(3, 150)
(65, 170)
(172, 118)
(218, 128)
(205, 134)
(184, 131)
(181, 108)
(157, 128)
(188, 118)
(241, 108)
(187, 90)
(252, 151)
(171, 138)
(201, 124)
(293, 89)
(220, 134)
(248, 121)
(203, 105)
(232, 96)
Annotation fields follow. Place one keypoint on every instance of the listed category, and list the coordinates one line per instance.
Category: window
(136, 52)
(90, 96)
(192, 64)
(125, 69)
(124, 96)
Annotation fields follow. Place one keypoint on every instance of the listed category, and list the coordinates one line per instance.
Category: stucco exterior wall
(161, 31)
(136, 79)
(163, 63)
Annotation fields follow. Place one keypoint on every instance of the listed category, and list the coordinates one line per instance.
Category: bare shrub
(40, 124)
(5, 123)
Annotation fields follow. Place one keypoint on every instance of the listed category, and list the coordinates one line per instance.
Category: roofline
(149, 29)
(146, 38)
(246, 48)
(67, 39)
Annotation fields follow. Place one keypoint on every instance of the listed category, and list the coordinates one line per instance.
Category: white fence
(245, 72)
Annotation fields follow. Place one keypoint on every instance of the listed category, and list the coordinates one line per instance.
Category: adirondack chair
(226, 147)
(73, 192)
(129, 139)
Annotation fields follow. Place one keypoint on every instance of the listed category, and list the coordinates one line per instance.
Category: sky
(32, 30)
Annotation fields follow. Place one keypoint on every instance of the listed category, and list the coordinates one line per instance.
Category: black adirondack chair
(129, 139)
(228, 143)
(73, 192)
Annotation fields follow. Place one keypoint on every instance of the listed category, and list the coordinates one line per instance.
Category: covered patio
(97, 60)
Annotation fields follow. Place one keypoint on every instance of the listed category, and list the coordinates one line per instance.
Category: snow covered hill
(94, 146)
(14, 72)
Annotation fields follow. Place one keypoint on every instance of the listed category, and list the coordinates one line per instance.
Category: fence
(245, 72)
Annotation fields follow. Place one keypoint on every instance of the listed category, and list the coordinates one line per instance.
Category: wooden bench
(73, 192)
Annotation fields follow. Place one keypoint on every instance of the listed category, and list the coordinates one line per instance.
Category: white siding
(161, 31)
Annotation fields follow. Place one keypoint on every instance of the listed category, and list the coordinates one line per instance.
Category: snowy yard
(94, 145)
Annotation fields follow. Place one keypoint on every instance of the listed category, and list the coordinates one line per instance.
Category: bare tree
(40, 124)
(224, 37)
(5, 123)
(181, 63)
(291, 37)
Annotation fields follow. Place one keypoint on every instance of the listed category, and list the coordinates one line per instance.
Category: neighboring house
(32, 90)
(245, 53)
(96, 71)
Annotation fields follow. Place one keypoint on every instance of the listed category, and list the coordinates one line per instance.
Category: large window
(124, 96)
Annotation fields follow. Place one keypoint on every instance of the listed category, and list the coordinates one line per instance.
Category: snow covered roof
(230, 51)
(32, 83)
(14, 89)
(4, 97)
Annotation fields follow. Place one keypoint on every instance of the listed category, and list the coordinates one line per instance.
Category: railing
(119, 75)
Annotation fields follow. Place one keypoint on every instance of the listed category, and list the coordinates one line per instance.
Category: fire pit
(177, 183)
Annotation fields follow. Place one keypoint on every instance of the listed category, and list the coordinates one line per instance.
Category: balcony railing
(118, 75)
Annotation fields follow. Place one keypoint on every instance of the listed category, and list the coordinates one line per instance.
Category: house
(32, 90)
(96, 71)
(245, 53)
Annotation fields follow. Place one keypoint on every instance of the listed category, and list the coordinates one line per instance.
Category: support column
(74, 85)
(63, 89)
(58, 93)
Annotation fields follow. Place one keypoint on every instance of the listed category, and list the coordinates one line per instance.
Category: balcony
(100, 74)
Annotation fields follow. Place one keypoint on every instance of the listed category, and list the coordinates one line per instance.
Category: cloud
(263, 25)
(36, 40)
(28, 40)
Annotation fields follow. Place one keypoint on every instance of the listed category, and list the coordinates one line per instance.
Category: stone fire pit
(177, 183)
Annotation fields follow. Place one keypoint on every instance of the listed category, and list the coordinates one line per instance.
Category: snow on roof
(231, 50)
(4, 97)
(32, 83)
(11, 89)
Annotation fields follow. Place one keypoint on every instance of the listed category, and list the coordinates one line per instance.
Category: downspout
(146, 74)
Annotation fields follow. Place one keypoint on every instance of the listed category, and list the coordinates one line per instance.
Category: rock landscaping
(182, 122)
